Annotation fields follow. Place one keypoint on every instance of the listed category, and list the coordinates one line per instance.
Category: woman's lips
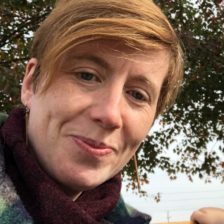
(93, 147)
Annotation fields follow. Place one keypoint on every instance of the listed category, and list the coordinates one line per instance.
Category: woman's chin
(80, 184)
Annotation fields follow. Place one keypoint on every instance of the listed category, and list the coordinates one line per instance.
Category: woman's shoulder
(11, 207)
(124, 213)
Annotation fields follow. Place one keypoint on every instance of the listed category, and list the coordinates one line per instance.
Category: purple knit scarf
(42, 198)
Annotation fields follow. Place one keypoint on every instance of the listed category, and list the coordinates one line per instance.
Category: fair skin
(100, 106)
(208, 216)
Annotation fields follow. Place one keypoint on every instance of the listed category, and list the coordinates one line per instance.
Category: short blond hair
(139, 24)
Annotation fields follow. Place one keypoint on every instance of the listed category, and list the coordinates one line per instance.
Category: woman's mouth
(92, 147)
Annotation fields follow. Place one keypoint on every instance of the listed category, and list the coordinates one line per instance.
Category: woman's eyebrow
(93, 58)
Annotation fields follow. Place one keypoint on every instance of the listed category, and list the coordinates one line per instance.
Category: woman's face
(98, 109)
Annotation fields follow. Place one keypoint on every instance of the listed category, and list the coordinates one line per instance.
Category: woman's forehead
(116, 48)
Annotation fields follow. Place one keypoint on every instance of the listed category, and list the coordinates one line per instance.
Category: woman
(208, 216)
(100, 73)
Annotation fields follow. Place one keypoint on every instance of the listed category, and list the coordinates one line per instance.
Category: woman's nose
(107, 110)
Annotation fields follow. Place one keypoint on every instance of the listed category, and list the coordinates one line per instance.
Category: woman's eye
(87, 76)
(137, 95)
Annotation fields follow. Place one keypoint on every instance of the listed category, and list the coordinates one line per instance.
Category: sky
(179, 198)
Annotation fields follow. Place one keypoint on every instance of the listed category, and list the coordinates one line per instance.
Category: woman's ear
(27, 85)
